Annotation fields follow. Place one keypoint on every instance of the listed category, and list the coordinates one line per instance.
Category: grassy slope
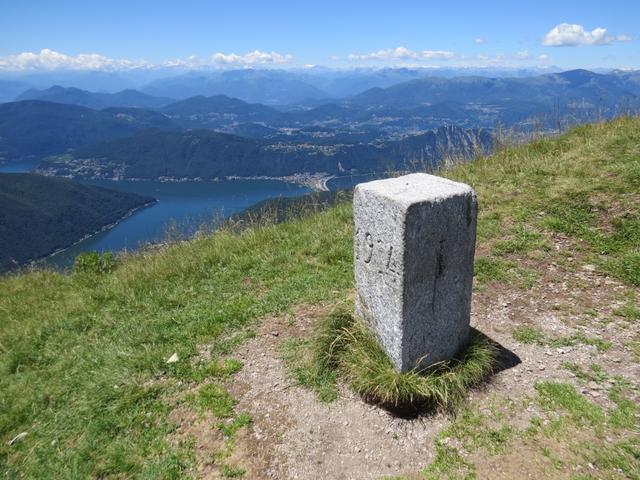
(82, 358)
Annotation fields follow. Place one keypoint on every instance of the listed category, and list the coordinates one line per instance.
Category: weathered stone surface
(414, 247)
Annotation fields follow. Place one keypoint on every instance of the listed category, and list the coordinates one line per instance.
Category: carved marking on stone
(389, 266)
(369, 243)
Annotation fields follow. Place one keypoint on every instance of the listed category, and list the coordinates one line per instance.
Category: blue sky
(201, 34)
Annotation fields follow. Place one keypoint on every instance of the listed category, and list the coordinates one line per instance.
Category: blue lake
(182, 209)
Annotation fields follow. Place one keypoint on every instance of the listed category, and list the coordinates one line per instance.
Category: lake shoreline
(97, 232)
(314, 181)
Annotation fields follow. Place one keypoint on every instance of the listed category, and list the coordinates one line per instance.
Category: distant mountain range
(254, 86)
(40, 215)
(380, 128)
(98, 101)
(271, 87)
(575, 85)
(433, 101)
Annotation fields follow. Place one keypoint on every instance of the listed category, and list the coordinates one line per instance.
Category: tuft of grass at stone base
(345, 348)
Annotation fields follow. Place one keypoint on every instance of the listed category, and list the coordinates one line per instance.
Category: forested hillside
(39, 215)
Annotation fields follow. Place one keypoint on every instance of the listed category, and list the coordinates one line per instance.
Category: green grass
(529, 335)
(566, 185)
(83, 364)
(588, 434)
(618, 251)
(449, 464)
(522, 240)
(490, 269)
(634, 345)
(620, 460)
(595, 373)
(230, 429)
(83, 357)
(608, 458)
(630, 311)
(535, 336)
(231, 472)
(345, 348)
(554, 396)
(469, 432)
(474, 432)
(559, 397)
(215, 399)
(308, 373)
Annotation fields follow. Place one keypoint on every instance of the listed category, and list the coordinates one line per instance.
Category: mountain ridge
(96, 100)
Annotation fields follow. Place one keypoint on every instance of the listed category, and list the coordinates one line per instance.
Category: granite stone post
(414, 246)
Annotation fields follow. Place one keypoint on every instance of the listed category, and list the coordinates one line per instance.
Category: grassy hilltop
(86, 390)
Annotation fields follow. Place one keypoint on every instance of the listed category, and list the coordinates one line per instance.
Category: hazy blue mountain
(323, 113)
(36, 128)
(98, 101)
(575, 85)
(40, 215)
(318, 138)
(270, 87)
(141, 118)
(346, 83)
(9, 89)
(426, 103)
(218, 110)
(333, 83)
(308, 86)
(93, 80)
(254, 130)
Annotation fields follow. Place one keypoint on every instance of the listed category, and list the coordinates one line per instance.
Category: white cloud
(252, 58)
(523, 55)
(48, 59)
(402, 53)
(572, 35)
(479, 40)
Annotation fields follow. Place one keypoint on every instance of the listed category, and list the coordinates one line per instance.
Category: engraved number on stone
(369, 247)
(389, 264)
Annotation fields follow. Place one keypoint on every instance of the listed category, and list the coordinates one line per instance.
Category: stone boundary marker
(414, 245)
